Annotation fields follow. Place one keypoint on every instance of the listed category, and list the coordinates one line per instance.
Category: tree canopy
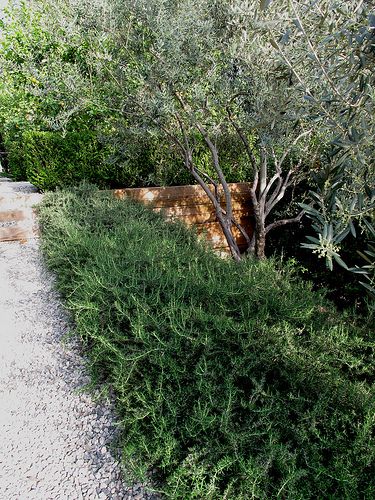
(288, 85)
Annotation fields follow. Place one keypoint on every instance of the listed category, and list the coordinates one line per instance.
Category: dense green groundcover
(234, 381)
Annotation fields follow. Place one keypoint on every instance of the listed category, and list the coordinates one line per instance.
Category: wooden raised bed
(17, 218)
(186, 203)
(191, 205)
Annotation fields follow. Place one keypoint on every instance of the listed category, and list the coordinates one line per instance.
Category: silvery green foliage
(205, 52)
(203, 69)
(328, 46)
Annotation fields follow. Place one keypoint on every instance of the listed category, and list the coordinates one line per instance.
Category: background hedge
(233, 380)
(51, 159)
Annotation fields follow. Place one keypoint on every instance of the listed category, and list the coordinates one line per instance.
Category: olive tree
(200, 72)
(328, 47)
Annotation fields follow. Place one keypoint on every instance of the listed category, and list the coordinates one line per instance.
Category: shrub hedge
(233, 381)
(16, 163)
(51, 159)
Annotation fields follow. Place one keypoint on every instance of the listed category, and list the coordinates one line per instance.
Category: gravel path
(8, 186)
(54, 438)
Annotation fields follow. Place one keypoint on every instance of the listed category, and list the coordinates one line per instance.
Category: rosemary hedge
(233, 381)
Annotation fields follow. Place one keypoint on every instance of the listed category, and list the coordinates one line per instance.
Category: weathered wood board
(17, 233)
(191, 205)
(17, 218)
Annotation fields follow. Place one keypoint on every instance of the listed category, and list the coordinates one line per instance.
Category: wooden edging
(17, 218)
(189, 204)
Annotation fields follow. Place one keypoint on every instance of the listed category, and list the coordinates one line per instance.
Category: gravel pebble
(51, 433)
(8, 223)
(7, 186)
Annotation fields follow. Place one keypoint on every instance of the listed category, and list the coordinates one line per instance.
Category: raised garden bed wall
(191, 205)
(17, 217)
(186, 203)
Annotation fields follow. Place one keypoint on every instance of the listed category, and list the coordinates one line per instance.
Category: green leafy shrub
(233, 380)
(16, 160)
(151, 161)
(169, 168)
(52, 159)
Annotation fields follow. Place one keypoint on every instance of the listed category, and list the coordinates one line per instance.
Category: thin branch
(243, 139)
(190, 165)
(251, 248)
(263, 172)
(280, 189)
(283, 222)
(215, 158)
(242, 231)
(206, 189)
(276, 191)
(225, 219)
(309, 43)
(187, 148)
(253, 190)
(174, 138)
(358, 7)
(277, 164)
(211, 180)
(307, 90)
(289, 149)
(279, 192)
(276, 177)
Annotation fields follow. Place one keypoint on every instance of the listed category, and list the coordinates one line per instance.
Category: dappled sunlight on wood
(191, 205)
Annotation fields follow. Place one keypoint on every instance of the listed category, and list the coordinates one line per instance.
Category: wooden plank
(192, 220)
(14, 215)
(198, 217)
(191, 205)
(215, 228)
(225, 250)
(214, 235)
(245, 221)
(197, 200)
(217, 240)
(16, 233)
(180, 195)
(202, 209)
(176, 201)
(149, 193)
(19, 201)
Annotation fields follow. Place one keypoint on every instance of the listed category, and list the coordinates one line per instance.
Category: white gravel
(55, 440)
(22, 187)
